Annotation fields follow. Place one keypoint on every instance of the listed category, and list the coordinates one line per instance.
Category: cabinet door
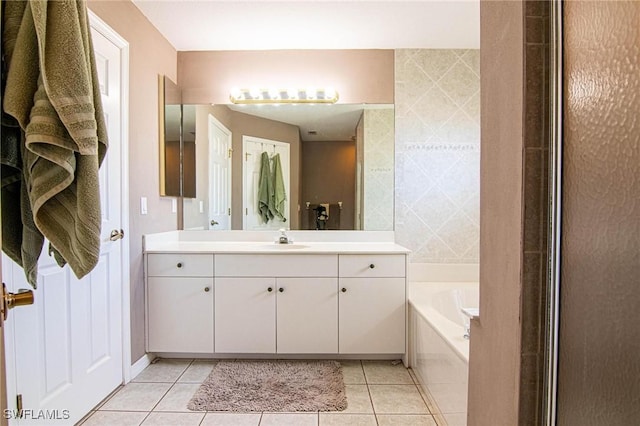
(307, 313)
(245, 313)
(372, 315)
(180, 314)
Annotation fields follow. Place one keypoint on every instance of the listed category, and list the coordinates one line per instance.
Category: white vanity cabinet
(372, 302)
(320, 298)
(180, 303)
(277, 303)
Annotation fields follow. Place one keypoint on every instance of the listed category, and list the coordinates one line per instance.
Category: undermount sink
(285, 246)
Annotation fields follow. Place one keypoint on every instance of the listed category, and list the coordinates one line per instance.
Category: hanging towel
(265, 189)
(21, 239)
(52, 91)
(279, 192)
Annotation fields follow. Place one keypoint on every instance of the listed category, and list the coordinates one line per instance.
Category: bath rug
(275, 386)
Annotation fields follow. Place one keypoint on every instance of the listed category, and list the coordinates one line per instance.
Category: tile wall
(437, 126)
(379, 171)
(536, 219)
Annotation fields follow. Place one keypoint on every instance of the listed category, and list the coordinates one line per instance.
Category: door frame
(103, 28)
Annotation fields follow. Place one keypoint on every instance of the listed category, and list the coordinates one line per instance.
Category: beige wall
(494, 354)
(207, 77)
(150, 54)
(328, 176)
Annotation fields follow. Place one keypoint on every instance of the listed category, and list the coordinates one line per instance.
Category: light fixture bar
(310, 95)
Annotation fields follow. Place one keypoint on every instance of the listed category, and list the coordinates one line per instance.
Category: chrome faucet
(284, 239)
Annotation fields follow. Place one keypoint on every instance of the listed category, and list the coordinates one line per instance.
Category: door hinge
(19, 405)
(229, 211)
(246, 212)
(230, 151)
(246, 156)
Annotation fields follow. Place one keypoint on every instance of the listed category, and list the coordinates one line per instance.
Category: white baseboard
(141, 364)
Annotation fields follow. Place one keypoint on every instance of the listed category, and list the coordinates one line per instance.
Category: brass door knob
(10, 300)
(281, 289)
(344, 290)
(372, 266)
(270, 289)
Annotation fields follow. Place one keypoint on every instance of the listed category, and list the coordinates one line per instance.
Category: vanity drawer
(372, 265)
(276, 265)
(179, 265)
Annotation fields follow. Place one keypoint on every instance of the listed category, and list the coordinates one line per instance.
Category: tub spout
(467, 331)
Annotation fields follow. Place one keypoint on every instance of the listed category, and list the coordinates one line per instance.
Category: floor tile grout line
(185, 370)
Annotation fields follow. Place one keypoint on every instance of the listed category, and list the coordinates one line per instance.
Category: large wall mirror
(335, 166)
(177, 144)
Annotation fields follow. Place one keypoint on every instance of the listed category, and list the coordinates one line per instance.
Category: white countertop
(263, 242)
(262, 247)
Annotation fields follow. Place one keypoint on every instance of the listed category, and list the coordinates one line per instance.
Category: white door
(65, 352)
(219, 175)
(252, 149)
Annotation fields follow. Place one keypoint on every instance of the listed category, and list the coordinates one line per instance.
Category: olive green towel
(279, 192)
(52, 91)
(265, 189)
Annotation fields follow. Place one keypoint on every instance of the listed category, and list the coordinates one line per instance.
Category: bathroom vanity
(328, 293)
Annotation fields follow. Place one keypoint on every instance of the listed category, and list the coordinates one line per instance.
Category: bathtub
(438, 350)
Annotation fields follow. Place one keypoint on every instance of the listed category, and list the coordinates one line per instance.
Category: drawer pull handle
(281, 290)
(372, 266)
(344, 290)
(270, 289)
(206, 289)
(179, 265)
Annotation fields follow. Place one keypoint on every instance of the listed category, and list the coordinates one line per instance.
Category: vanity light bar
(284, 96)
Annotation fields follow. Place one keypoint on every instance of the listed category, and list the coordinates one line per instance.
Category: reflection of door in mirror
(252, 151)
(219, 175)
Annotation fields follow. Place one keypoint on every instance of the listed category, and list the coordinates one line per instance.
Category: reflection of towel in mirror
(326, 210)
(265, 189)
(52, 91)
(279, 192)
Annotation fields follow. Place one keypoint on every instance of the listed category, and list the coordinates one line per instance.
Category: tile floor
(378, 393)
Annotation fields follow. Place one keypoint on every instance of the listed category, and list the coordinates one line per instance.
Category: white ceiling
(315, 24)
(328, 122)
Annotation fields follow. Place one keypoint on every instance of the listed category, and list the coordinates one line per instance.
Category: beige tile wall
(437, 101)
(379, 170)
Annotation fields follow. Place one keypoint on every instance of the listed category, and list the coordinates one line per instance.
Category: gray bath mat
(244, 386)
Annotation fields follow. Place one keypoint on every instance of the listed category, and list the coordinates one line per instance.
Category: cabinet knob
(281, 289)
(344, 290)
(372, 266)
(179, 265)
(207, 289)
(270, 289)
